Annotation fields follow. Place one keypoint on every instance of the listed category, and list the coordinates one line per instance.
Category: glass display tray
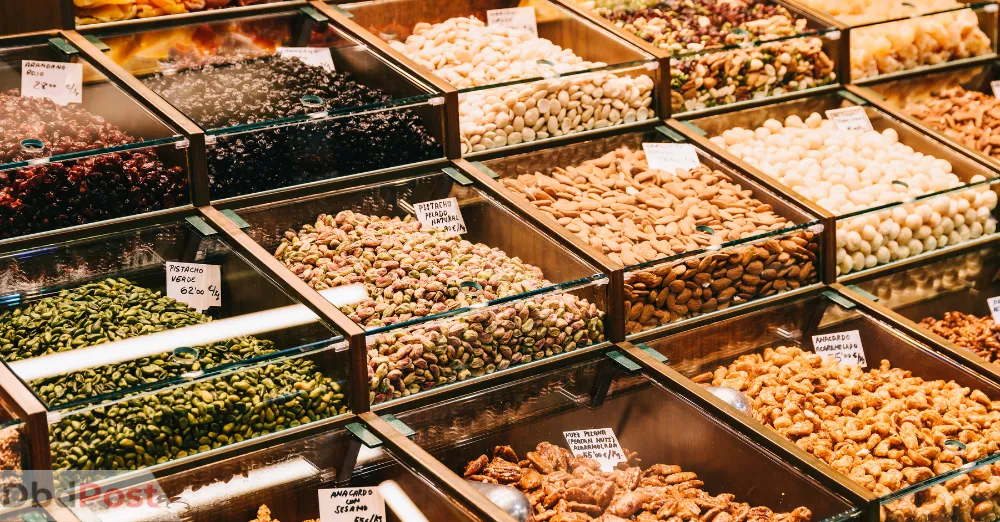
(69, 163)
(700, 350)
(138, 379)
(263, 90)
(645, 283)
(394, 20)
(963, 166)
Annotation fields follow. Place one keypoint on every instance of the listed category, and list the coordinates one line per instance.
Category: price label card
(600, 445)
(198, 285)
(315, 56)
(58, 81)
(351, 505)
(995, 85)
(850, 119)
(514, 17)
(994, 303)
(845, 347)
(441, 213)
(671, 156)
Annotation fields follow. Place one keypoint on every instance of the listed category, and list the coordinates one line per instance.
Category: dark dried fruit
(54, 195)
(268, 89)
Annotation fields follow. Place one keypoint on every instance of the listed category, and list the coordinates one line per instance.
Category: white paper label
(514, 17)
(198, 285)
(351, 505)
(994, 303)
(58, 81)
(671, 156)
(315, 56)
(850, 118)
(441, 213)
(600, 445)
(995, 85)
(844, 347)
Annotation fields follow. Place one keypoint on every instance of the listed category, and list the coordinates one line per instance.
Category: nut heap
(850, 171)
(54, 195)
(186, 420)
(154, 428)
(884, 427)
(979, 334)
(701, 80)
(411, 272)
(912, 41)
(468, 54)
(971, 118)
(636, 214)
(270, 88)
(102, 312)
(564, 488)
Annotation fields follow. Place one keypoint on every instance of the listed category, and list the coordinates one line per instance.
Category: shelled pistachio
(103, 312)
(186, 420)
(412, 272)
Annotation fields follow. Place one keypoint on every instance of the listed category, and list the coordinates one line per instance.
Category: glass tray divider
(761, 435)
(879, 101)
(614, 322)
(963, 356)
(196, 151)
(416, 457)
(826, 218)
(452, 132)
(290, 283)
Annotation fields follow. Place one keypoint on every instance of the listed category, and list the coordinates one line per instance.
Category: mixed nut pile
(468, 53)
(564, 488)
(707, 79)
(979, 334)
(971, 118)
(883, 427)
(270, 88)
(54, 195)
(161, 426)
(912, 40)
(636, 214)
(410, 272)
(850, 171)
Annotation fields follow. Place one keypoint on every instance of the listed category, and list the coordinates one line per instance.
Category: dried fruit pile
(564, 488)
(264, 515)
(412, 272)
(882, 427)
(271, 88)
(54, 195)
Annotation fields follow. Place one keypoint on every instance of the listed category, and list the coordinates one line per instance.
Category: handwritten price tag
(671, 156)
(198, 285)
(850, 119)
(994, 303)
(57, 81)
(600, 445)
(441, 213)
(995, 85)
(351, 505)
(514, 18)
(845, 347)
(315, 56)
